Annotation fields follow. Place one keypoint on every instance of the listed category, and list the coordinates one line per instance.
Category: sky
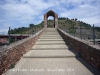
(21, 13)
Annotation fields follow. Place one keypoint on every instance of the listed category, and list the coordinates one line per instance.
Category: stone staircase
(50, 45)
(51, 55)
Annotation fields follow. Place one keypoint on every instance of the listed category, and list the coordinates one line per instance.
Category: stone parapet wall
(10, 55)
(90, 53)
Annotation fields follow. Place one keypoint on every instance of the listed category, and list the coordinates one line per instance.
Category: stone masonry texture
(90, 53)
(10, 55)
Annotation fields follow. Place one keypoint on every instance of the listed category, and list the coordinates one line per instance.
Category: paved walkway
(51, 55)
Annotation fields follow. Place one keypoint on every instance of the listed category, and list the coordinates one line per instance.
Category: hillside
(25, 30)
(71, 26)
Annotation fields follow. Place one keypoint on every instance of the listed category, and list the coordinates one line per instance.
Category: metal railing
(87, 33)
(32, 31)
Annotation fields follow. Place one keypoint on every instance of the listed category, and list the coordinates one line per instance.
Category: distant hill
(25, 30)
(73, 26)
(70, 25)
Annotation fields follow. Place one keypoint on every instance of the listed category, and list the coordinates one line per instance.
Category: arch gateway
(51, 13)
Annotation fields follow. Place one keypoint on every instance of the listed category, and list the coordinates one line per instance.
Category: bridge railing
(89, 33)
(32, 31)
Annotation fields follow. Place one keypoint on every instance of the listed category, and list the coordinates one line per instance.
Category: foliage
(23, 30)
(97, 28)
(31, 25)
(73, 26)
(18, 30)
(62, 18)
(12, 66)
(12, 40)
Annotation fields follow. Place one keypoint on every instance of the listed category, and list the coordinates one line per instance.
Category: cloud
(18, 13)
(91, 20)
(86, 12)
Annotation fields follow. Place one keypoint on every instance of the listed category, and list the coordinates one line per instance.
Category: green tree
(31, 25)
(75, 19)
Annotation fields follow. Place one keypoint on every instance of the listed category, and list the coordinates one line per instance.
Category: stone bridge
(51, 51)
(48, 53)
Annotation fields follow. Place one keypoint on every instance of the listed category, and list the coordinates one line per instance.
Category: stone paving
(51, 55)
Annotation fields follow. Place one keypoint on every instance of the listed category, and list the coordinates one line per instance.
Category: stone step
(49, 46)
(50, 56)
(51, 29)
(50, 53)
(51, 40)
(50, 49)
(50, 43)
(50, 36)
(50, 33)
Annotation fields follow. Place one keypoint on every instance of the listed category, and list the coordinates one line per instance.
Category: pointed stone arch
(51, 13)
